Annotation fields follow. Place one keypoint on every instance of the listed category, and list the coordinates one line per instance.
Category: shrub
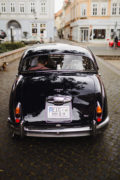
(8, 46)
(2, 48)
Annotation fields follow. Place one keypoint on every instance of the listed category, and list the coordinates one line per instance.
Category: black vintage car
(57, 93)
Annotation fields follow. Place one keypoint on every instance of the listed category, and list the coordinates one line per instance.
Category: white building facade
(27, 18)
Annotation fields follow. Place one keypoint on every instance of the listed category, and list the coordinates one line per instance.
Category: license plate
(61, 112)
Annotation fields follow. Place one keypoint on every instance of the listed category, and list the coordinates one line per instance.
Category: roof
(57, 48)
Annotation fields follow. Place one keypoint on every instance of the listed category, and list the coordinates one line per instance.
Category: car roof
(56, 48)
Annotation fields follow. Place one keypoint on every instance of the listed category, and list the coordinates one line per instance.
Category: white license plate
(61, 112)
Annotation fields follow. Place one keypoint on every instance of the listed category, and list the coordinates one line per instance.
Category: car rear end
(65, 100)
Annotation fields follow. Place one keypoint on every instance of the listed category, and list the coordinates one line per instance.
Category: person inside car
(42, 62)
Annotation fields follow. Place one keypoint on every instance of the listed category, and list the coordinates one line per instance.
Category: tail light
(17, 114)
(98, 113)
(99, 109)
(17, 120)
(17, 110)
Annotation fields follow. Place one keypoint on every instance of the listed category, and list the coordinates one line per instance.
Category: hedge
(8, 46)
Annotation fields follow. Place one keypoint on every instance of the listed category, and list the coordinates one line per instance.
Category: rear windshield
(58, 62)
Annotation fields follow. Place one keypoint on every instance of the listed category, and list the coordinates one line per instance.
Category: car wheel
(13, 135)
(38, 42)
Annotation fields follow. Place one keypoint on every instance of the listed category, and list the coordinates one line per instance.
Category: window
(119, 9)
(42, 29)
(99, 33)
(32, 9)
(3, 7)
(58, 62)
(114, 8)
(34, 28)
(113, 33)
(103, 9)
(83, 10)
(22, 7)
(43, 8)
(12, 7)
(94, 9)
(42, 25)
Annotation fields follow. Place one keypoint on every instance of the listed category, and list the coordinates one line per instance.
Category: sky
(58, 5)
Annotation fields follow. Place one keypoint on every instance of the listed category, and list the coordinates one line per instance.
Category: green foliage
(8, 46)
(2, 48)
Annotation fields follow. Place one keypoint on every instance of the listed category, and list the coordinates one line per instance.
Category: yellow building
(58, 23)
(91, 20)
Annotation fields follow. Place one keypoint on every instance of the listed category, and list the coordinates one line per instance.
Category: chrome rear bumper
(61, 132)
(66, 132)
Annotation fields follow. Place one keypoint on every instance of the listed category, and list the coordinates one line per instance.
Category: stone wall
(11, 56)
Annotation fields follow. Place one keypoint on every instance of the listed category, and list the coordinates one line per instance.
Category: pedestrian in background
(116, 41)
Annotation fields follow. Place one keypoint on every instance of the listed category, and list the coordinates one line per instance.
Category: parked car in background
(57, 93)
(2, 34)
(1, 40)
(111, 43)
(32, 40)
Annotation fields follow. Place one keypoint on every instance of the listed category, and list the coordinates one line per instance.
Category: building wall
(26, 20)
(87, 25)
(58, 22)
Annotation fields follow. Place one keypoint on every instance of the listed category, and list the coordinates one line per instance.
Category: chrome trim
(59, 99)
(9, 119)
(18, 105)
(94, 124)
(65, 132)
(104, 123)
(22, 129)
(56, 135)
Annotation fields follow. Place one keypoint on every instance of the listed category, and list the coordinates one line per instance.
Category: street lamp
(11, 34)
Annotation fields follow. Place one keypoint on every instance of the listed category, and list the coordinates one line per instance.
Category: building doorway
(15, 27)
(84, 35)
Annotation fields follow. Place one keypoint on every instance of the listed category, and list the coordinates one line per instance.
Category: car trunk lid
(74, 93)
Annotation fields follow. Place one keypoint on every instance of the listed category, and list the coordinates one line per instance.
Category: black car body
(65, 99)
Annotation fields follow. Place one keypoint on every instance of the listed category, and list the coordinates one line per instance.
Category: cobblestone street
(85, 158)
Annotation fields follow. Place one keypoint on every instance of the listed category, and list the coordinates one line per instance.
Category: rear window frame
(20, 69)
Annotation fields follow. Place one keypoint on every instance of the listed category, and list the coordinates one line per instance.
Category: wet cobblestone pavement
(84, 158)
